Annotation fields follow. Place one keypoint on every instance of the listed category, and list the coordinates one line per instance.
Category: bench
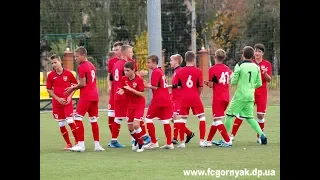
(47, 99)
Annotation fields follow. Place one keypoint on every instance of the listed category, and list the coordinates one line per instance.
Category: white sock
(96, 143)
(81, 143)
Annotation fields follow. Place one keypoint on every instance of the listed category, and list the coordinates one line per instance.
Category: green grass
(123, 164)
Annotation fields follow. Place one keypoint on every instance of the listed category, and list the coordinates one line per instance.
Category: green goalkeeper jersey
(247, 78)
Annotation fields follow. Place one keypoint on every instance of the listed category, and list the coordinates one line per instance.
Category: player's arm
(51, 92)
(155, 81)
(73, 81)
(212, 79)
(200, 82)
(82, 80)
(268, 73)
(235, 75)
(140, 89)
(109, 76)
(258, 79)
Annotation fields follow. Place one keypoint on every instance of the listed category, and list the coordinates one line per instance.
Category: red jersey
(137, 84)
(175, 91)
(59, 82)
(219, 74)
(190, 79)
(111, 63)
(264, 64)
(160, 96)
(117, 74)
(89, 92)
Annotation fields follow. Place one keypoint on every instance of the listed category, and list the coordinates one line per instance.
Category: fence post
(68, 59)
(204, 63)
(162, 60)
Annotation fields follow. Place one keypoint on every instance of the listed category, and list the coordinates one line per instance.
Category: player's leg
(120, 115)
(130, 119)
(218, 111)
(140, 112)
(199, 112)
(111, 113)
(261, 103)
(151, 113)
(139, 133)
(218, 108)
(68, 111)
(93, 112)
(247, 113)
(176, 119)
(165, 116)
(232, 111)
(184, 113)
(236, 125)
(59, 116)
(81, 110)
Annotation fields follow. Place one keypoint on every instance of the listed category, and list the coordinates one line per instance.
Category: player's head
(175, 60)
(258, 51)
(56, 61)
(219, 56)
(111, 54)
(129, 70)
(247, 53)
(117, 48)
(127, 52)
(152, 61)
(190, 58)
(80, 54)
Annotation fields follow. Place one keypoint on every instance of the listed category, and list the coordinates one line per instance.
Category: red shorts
(90, 107)
(218, 108)
(120, 109)
(111, 106)
(135, 113)
(61, 112)
(196, 110)
(261, 103)
(161, 112)
(176, 103)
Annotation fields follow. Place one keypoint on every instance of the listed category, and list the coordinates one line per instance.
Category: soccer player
(175, 61)
(219, 82)
(62, 108)
(133, 86)
(247, 78)
(111, 62)
(88, 101)
(160, 105)
(190, 80)
(261, 93)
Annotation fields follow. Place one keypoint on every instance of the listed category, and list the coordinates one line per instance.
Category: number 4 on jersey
(224, 78)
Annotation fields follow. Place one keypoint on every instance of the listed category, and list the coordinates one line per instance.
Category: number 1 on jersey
(249, 76)
(93, 75)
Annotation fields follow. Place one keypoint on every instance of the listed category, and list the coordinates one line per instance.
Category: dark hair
(129, 65)
(81, 50)
(190, 56)
(118, 43)
(153, 58)
(54, 56)
(259, 46)
(248, 52)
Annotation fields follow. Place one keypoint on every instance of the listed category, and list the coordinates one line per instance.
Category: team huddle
(169, 103)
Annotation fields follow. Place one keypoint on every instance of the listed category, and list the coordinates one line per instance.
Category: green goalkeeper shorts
(243, 108)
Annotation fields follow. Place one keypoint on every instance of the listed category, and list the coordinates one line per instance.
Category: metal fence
(223, 24)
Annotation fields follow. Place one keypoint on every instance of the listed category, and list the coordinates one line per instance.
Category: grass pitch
(124, 164)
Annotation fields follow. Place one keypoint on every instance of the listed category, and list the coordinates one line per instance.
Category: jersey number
(165, 85)
(189, 82)
(116, 75)
(93, 75)
(249, 76)
(224, 78)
